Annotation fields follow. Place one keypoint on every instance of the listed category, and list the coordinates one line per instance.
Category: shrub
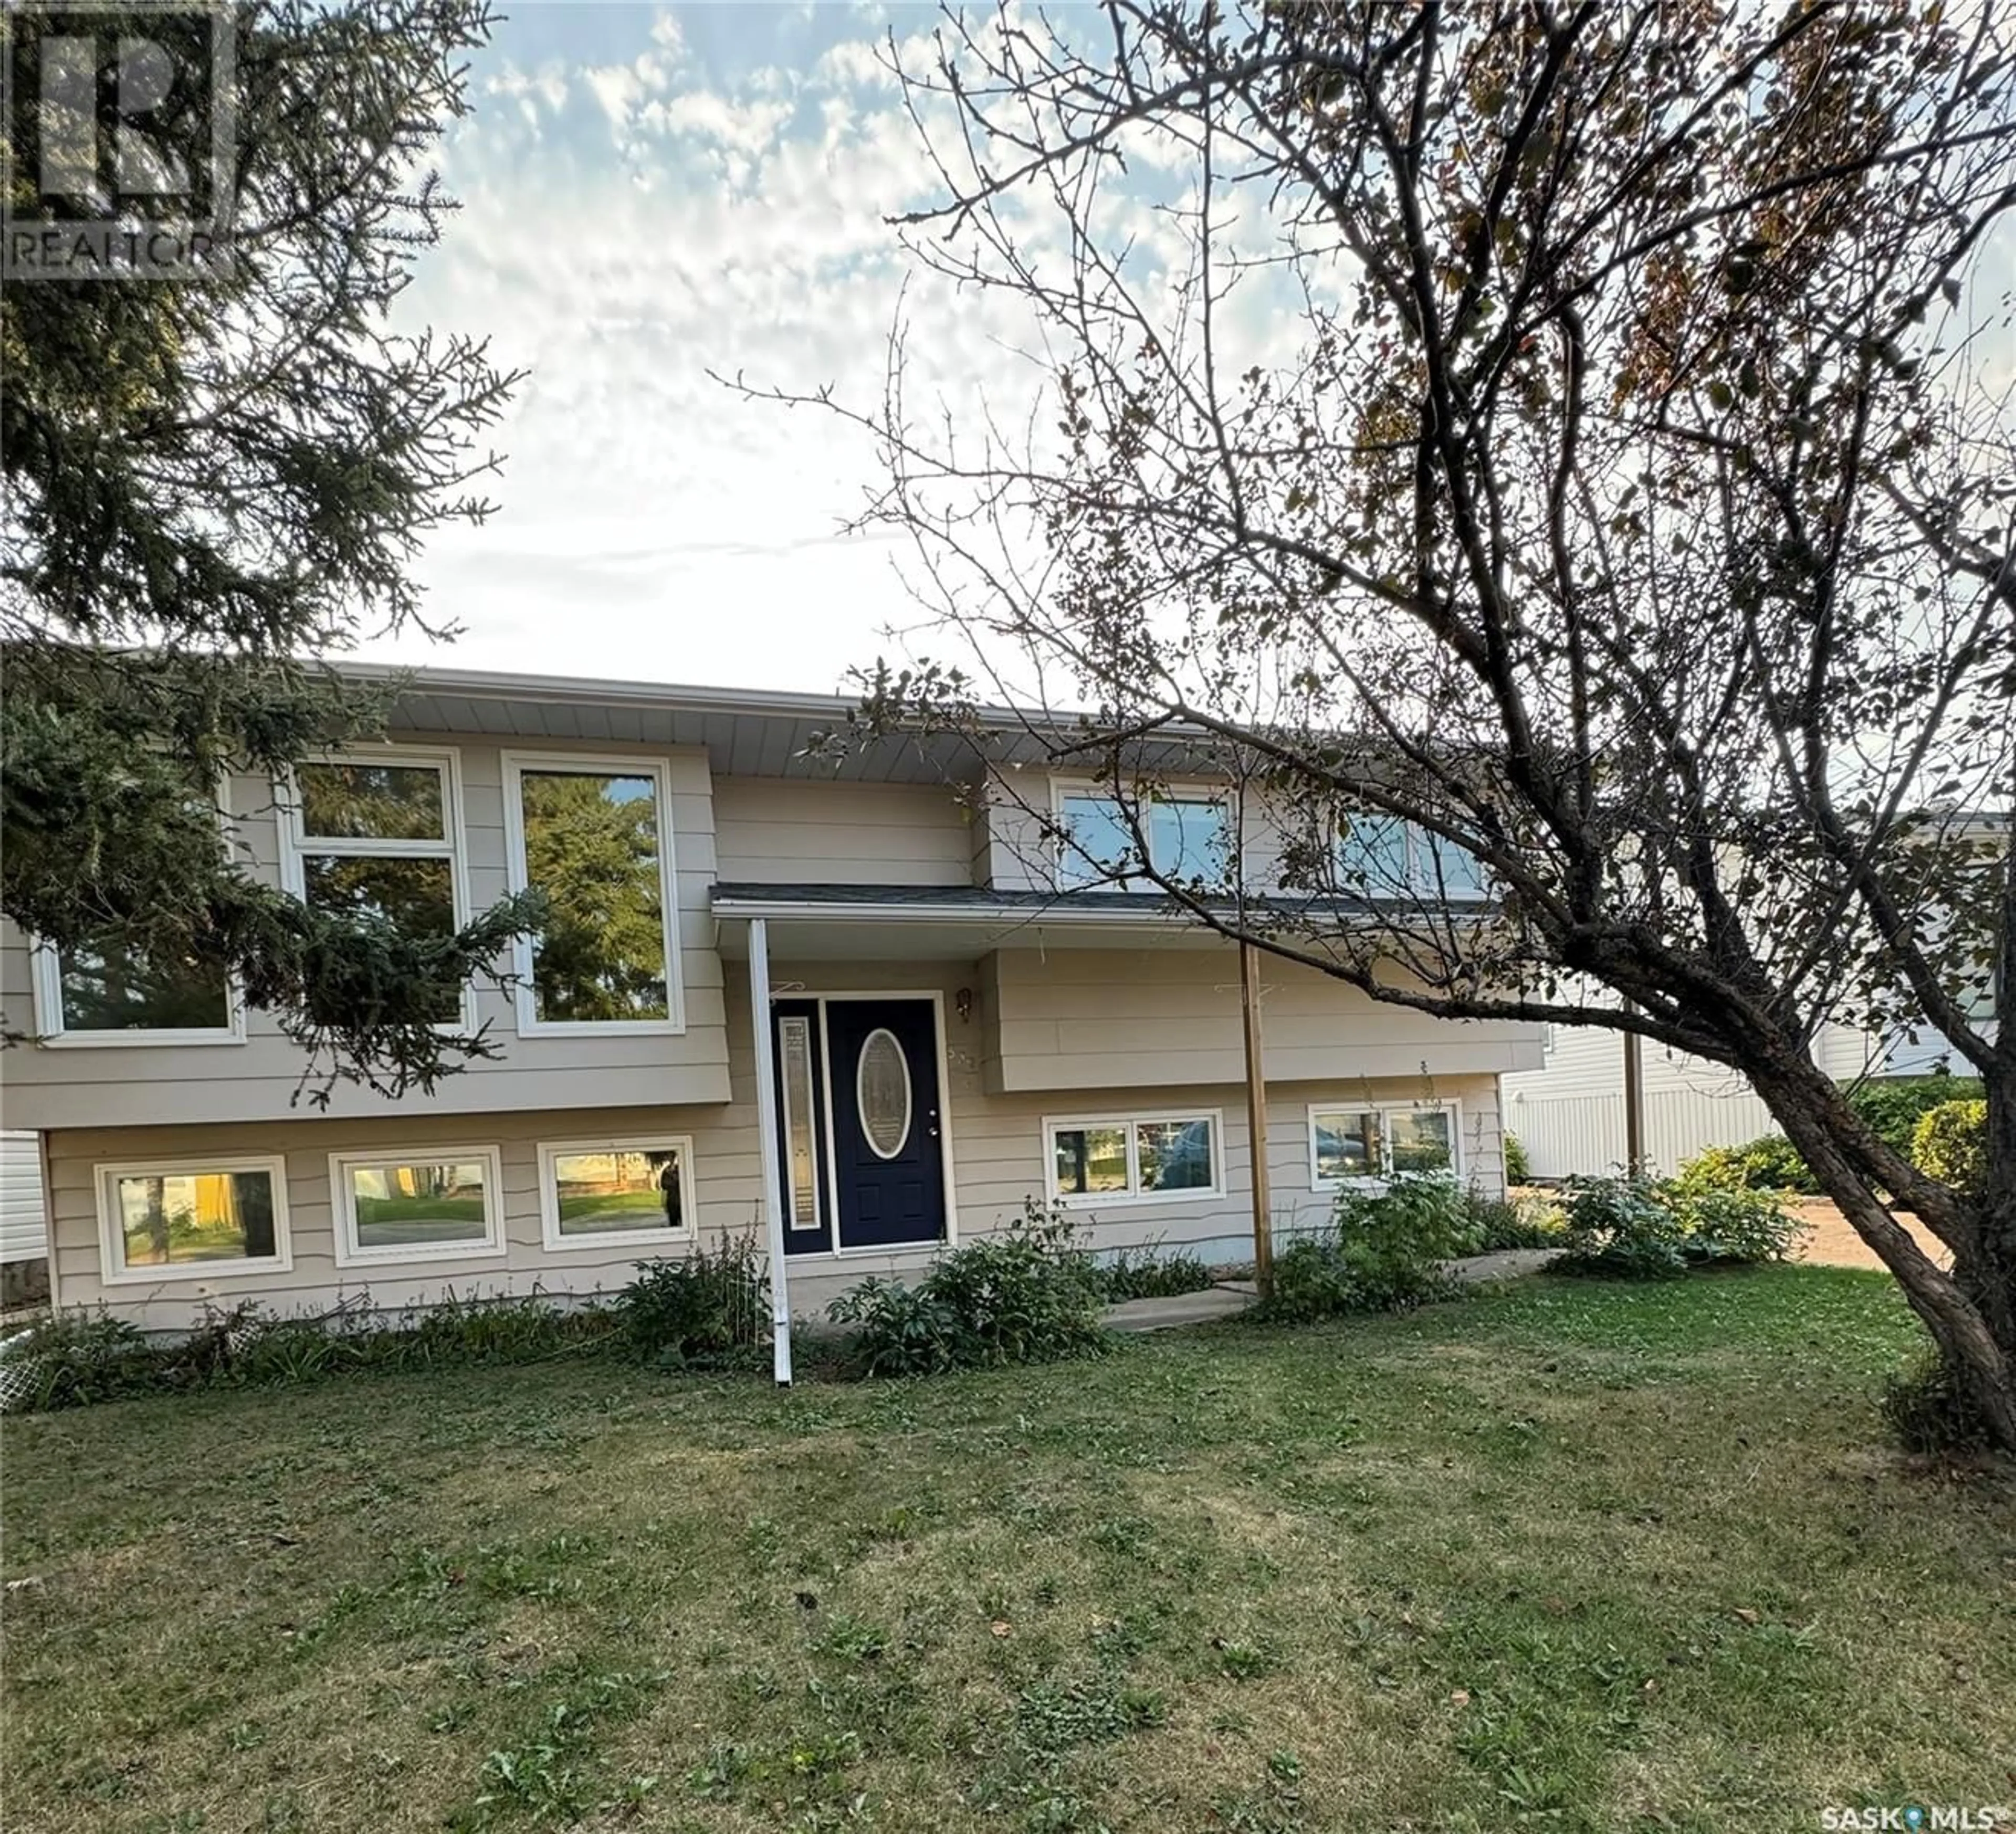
(1504, 1222)
(1623, 1226)
(1385, 1252)
(1145, 1273)
(74, 1358)
(1748, 1227)
(1950, 1144)
(1892, 1106)
(1518, 1169)
(1393, 1244)
(1029, 1294)
(1312, 1280)
(1770, 1164)
(706, 1310)
(1931, 1412)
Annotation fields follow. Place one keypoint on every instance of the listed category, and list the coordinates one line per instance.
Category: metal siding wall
(1585, 1133)
(23, 1228)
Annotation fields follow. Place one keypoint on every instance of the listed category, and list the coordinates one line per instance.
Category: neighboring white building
(1569, 1116)
(24, 1234)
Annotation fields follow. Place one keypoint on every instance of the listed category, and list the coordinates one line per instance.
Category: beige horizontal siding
(778, 830)
(257, 1080)
(997, 1143)
(1090, 1019)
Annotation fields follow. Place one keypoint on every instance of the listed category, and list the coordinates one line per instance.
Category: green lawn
(1570, 1556)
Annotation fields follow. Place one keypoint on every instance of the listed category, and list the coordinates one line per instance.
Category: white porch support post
(771, 1143)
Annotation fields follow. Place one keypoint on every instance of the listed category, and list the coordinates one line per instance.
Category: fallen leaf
(1001, 1627)
(1747, 1616)
(1460, 1697)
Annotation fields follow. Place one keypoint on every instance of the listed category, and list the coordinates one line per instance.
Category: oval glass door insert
(882, 1093)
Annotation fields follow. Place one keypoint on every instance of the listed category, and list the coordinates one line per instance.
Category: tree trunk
(1971, 1311)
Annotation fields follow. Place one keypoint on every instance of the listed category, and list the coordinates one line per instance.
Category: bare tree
(1556, 442)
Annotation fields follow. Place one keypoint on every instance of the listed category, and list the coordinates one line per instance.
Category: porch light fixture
(963, 1003)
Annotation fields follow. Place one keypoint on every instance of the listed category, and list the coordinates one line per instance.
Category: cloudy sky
(651, 194)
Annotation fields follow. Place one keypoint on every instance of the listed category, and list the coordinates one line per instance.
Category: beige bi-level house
(846, 1004)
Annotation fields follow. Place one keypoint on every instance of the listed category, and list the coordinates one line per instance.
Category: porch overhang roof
(963, 919)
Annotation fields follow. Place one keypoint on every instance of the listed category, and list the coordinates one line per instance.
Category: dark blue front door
(888, 1154)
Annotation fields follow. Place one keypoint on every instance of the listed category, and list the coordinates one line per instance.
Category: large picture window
(193, 1220)
(1132, 1159)
(629, 1193)
(440, 1203)
(1349, 1142)
(1186, 836)
(376, 836)
(595, 836)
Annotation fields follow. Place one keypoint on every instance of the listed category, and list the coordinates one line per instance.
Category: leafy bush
(710, 1309)
(1623, 1226)
(1312, 1280)
(1950, 1144)
(1145, 1273)
(1931, 1412)
(1743, 1226)
(1518, 1169)
(1892, 1106)
(1504, 1222)
(75, 1358)
(1640, 1230)
(1029, 1294)
(1386, 1251)
(1393, 1244)
(1770, 1164)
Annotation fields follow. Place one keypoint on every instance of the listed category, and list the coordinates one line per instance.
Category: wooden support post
(1634, 1103)
(1256, 1118)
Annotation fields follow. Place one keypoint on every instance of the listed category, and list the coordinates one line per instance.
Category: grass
(1568, 1555)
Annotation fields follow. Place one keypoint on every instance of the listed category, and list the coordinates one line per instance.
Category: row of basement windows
(197, 1219)
(1168, 1157)
(381, 839)
(202, 1219)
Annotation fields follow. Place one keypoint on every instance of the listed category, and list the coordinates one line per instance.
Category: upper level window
(595, 835)
(375, 836)
(1380, 855)
(111, 989)
(1186, 836)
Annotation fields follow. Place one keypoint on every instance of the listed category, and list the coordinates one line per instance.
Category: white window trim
(343, 1211)
(45, 985)
(296, 843)
(1067, 857)
(46, 973)
(1133, 1197)
(590, 764)
(1452, 1109)
(550, 1151)
(112, 1268)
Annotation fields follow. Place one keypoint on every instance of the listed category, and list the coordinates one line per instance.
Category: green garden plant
(1950, 1143)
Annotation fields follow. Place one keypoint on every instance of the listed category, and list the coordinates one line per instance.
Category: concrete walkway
(1230, 1298)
